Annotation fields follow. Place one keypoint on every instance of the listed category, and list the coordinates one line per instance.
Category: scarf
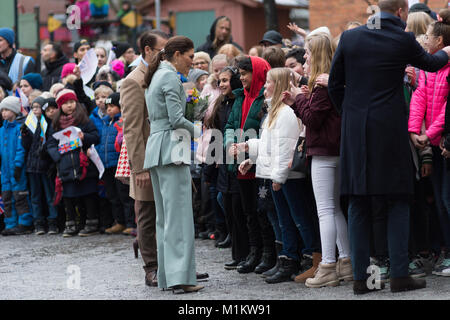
(66, 121)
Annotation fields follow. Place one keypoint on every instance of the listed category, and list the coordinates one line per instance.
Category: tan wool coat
(136, 128)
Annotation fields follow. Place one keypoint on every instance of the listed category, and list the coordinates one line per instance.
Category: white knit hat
(11, 103)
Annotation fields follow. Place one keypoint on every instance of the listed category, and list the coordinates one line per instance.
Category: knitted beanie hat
(34, 79)
(40, 101)
(67, 69)
(8, 35)
(64, 96)
(119, 67)
(11, 103)
(114, 99)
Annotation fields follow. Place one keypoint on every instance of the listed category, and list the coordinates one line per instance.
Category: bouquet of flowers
(195, 106)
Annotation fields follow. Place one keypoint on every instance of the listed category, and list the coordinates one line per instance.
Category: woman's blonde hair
(418, 23)
(322, 49)
(282, 78)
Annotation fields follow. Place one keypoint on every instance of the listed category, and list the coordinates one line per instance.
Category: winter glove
(17, 173)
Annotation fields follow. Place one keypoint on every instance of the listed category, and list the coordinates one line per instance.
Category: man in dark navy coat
(366, 85)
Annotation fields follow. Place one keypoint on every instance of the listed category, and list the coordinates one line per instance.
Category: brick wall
(335, 14)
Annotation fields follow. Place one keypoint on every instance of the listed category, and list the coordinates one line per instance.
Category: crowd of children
(283, 221)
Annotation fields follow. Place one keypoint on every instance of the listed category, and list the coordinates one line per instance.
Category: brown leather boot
(301, 278)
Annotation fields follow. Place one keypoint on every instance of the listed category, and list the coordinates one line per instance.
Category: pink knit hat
(67, 69)
(119, 67)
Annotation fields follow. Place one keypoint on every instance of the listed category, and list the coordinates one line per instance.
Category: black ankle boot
(407, 284)
(225, 243)
(268, 260)
(252, 261)
(287, 268)
(271, 272)
(360, 287)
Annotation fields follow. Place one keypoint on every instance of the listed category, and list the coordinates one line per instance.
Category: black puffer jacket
(37, 158)
(52, 72)
(68, 164)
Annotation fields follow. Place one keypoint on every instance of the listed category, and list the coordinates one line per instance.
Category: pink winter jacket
(428, 102)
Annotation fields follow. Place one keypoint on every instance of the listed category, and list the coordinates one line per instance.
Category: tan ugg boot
(301, 278)
(325, 276)
(344, 269)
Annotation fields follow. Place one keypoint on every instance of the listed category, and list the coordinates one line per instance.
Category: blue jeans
(441, 188)
(40, 183)
(359, 228)
(294, 215)
(217, 208)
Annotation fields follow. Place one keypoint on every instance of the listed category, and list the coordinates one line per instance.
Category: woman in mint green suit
(168, 155)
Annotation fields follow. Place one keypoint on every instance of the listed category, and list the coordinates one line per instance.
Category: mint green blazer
(170, 132)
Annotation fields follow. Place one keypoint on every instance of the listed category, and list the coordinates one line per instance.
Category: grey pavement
(45, 267)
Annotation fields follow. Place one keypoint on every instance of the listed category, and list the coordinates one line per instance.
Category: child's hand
(81, 135)
(77, 72)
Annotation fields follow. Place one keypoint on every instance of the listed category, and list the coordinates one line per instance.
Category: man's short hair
(57, 49)
(149, 38)
(392, 5)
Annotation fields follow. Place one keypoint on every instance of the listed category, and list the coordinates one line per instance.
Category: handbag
(123, 171)
(300, 160)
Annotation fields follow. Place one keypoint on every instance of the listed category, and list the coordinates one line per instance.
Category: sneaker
(438, 262)
(90, 229)
(444, 268)
(416, 268)
(70, 230)
(39, 230)
(53, 229)
(383, 264)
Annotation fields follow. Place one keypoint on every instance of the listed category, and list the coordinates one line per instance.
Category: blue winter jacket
(97, 120)
(12, 155)
(106, 148)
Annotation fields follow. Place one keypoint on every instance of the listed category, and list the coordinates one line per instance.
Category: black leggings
(237, 221)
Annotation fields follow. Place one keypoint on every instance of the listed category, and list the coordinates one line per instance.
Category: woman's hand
(81, 135)
(245, 166)
(276, 186)
(322, 80)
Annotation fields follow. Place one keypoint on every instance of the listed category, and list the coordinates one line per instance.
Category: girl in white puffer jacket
(273, 153)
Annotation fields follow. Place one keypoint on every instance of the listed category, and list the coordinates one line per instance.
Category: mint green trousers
(172, 190)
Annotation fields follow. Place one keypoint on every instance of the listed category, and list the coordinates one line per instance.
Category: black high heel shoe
(135, 248)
